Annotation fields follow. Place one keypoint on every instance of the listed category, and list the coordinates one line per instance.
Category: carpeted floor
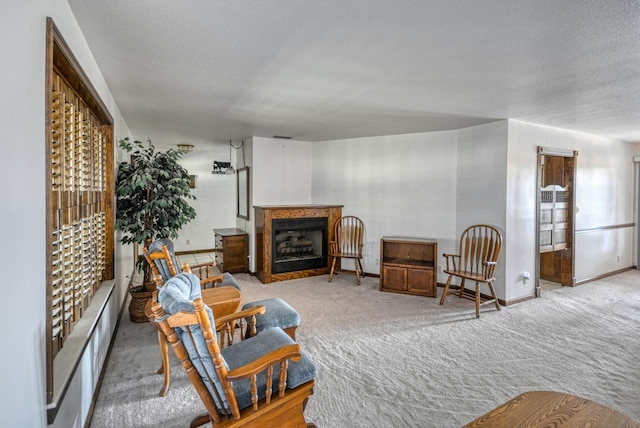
(391, 360)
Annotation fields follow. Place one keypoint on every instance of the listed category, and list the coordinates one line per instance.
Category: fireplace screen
(299, 244)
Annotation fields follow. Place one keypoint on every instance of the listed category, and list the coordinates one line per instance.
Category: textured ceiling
(213, 70)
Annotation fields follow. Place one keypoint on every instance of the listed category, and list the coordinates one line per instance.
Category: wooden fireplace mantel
(265, 214)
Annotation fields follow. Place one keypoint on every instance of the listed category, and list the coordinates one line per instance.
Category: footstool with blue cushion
(278, 313)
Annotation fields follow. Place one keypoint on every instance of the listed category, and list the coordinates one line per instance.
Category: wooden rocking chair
(476, 261)
(272, 312)
(262, 381)
(164, 264)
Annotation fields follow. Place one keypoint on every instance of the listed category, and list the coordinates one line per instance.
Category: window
(80, 189)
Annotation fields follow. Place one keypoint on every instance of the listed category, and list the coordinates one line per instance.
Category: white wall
(403, 185)
(215, 194)
(280, 175)
(281, 171)
(245, 158)
(481, 189)
(604, 197)
(22, 169)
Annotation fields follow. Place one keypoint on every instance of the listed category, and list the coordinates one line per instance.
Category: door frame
(565, 153)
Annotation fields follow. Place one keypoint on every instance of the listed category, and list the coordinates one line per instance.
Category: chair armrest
(453, 258)
(199, 265)
(487, 268)
(202, 270)
(211, 280)
(256, 310)
(289, 352)
(226, 325)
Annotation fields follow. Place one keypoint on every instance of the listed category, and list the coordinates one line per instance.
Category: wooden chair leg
(493, 294)
(461, 288)
(164, 368)
(333, 269)
(361, 270)
(446, 290)
(357, 271)
(477, 300)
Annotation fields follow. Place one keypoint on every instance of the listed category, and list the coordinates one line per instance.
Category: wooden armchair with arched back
(476, 261)
(349, 239)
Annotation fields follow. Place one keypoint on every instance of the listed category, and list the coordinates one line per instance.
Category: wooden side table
(552, 409)
(223, 301)
(232, 250)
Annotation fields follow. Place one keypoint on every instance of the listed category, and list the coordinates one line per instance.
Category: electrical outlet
(188, 241)
(377, 261)
(439, 268)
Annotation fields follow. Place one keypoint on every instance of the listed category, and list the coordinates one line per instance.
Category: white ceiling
(214, 70)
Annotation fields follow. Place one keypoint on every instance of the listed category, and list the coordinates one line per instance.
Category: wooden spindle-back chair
(347, 244)
(476, 261)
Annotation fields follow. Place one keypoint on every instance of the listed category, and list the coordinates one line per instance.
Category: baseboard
(483, 296)
(206, 250)
(604, 275)
(353, 272)
(96, 392)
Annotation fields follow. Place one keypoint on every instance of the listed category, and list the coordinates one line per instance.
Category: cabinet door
(394, 278)
(235, 253)
(421, 281)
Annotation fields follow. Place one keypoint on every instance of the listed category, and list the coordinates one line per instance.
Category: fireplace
(292, 241)
(299, 244)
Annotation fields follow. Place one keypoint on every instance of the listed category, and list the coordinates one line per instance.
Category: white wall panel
(215, 194)
(398, 185)
(603, 251)
(481, 189)
(281, 172)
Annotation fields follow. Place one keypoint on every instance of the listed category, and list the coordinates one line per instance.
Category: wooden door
(555, 218)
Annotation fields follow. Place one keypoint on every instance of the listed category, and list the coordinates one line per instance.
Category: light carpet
(393, 360)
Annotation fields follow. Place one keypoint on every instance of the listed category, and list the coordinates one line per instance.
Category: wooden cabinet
(232, 250)
(408, 265)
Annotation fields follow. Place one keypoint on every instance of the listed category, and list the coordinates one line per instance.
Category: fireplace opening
(299, 244)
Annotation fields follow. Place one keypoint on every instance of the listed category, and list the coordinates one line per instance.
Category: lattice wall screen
(77, 195)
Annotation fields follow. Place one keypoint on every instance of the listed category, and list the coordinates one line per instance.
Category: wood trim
(610, 227)
(48, 81)
(109, 197)
(65, 61)
(206, 250)
(604, 275)
(483, 296)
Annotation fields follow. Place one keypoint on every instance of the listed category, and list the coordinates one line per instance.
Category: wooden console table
(537, 409)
